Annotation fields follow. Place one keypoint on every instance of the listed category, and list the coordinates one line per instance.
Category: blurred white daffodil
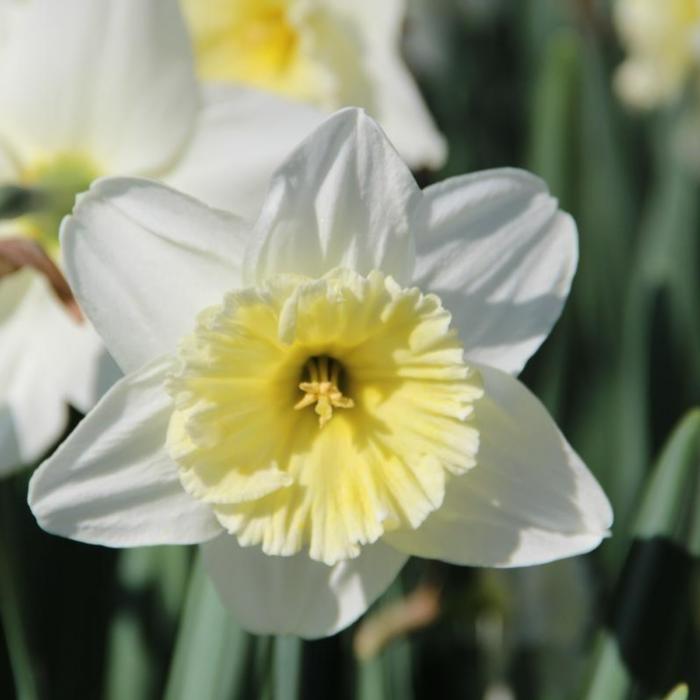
(95, 88)
(663, 44)
(331, 53)
(299, 399)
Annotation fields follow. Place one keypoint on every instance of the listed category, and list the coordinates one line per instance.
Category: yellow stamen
(323, 389)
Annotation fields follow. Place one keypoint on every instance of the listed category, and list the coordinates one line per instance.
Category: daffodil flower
(663, 44)
(96, 88)
(331, 53)
(319, 395)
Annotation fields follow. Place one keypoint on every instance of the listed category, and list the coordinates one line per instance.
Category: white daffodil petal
(529, 500)
(111, 481)
(5, 10)
(396, 102)
(343, 199)
(33, 413)
(78, 364)
(296, 595)
(66, 355)
(144, 260)
(502, 257)
(227, 164)
(39, 377)
(113, 79)
(47, 361)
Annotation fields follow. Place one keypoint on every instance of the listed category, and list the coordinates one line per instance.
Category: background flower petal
(501, 256)
(38, 376)
(396, 102)
(112, 483)
(240, 137)
(32, 414)
(144, 260)
(529, 500)
(344, 198)
(112, 80)
(296, 595)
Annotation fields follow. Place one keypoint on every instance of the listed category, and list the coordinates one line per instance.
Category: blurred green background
(511, 82)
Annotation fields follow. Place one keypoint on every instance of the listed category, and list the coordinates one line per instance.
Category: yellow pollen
(323, 389)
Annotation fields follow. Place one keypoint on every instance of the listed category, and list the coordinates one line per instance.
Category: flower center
(269, 39)
(392, 419)
(253, 41)
(323, 388)
(298, 48)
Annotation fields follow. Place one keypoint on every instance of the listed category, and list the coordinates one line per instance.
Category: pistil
(323, 388)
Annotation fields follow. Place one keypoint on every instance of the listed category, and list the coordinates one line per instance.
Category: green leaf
(211, 650)
(663, 285)
(152, 582)
(260, 683)
(370, 679)
(671, 505)
(398, 664)
(287, 668)
(553, 112)
(130, 666)
(609, 678)
(606, 207)
(539, 20)
(651, 610)
(680, 692)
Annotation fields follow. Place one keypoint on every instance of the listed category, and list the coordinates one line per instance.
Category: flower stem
(287, 668)
(211, 649)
